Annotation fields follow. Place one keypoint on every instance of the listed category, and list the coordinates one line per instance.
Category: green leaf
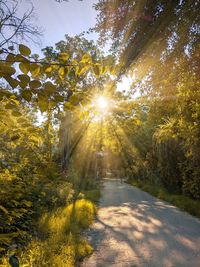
(34, 84)
(79, 70)
(24, 50)
(24, 79)
(27, 95)
(49, 87)
(43, 102)
(10, 106)
(6, 69)
(15, 101)
(67, 106)
(24, 67)
(27, 203)
(20, 58)
(59, 98)
(4, 93)
(10, 59)
(96, 69)
(3, 209)
(21, 120)
(16, 113)
(52, 103)
(13, 82)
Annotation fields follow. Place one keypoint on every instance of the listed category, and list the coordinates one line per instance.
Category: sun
(102, 103)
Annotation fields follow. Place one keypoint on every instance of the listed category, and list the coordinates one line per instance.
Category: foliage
(136, 28)
(30, 176)
(157, 44)
(53, 168)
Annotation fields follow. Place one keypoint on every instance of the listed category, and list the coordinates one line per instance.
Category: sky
(57, 19)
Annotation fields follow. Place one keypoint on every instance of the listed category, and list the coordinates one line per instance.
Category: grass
(60, 243)
(92, 195)
(185, 203)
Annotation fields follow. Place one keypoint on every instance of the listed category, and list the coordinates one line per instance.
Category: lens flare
(102, 103)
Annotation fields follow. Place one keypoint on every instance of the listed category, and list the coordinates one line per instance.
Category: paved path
(135, 229)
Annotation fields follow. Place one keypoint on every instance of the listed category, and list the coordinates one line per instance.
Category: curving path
(135, 229)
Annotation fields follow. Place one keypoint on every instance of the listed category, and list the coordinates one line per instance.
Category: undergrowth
(59, 242)
(42, 218)
(183, 202)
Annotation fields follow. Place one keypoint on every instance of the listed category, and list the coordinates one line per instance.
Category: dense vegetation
(49, 171)
(40, 201)
(45, 199)
(158, 47)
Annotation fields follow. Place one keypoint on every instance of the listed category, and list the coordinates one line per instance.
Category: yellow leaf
(61, 72)
(63, 57)
(3, 209)
(86, 58)
(67, 70)
(48, 69)
(34, 69)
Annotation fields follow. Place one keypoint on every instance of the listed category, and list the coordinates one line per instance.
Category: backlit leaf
(48, 69)
(49, 87)
(13, 82)
(16, 113)
(6, 69)
(24, 67)
(43, 102)
(61, 72)
(24, 80)
(63, 57)
(24, 50)
(27, 95)
(34, 69)
(96, 70)
(86, 58)
(34, 84)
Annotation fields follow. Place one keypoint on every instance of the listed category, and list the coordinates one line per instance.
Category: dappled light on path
(136, 229)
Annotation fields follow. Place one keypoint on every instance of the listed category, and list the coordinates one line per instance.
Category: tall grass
(59, 243)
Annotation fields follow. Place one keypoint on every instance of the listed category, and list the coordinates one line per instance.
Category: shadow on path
(135, 229)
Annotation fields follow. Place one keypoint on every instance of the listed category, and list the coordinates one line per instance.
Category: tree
(135, 28)
(15, 28)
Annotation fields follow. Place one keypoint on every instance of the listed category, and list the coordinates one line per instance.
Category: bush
(60, 244)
